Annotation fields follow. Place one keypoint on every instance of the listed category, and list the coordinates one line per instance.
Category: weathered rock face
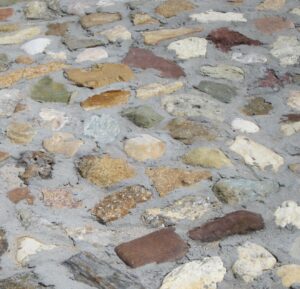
(288, 214)
(117, 33)
(172, 8)
(92, 54)
(101, 18)
(248, 58)
(158, 247)
(119, 204)
(20, 133)
(289, 274)
(57, 29)
(295, 168)
(37, 10)
(59, 198)
(53, 118)
(36, 46)
(290, 124)
(294, 100)
(239, 222)
(271, 5)
(90, 270)
(274, 80)
(5, 13)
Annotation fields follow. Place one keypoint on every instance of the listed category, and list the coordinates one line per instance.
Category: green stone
(46, 90)
(4, 62)
(143, 116)
(21, 281)
(257, 106)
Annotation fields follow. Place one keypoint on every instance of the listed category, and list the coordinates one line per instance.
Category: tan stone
(101, 18)
(269, 25)
(62, 143)
(24, 59)
(158, 89)
(172, 8)
(20, 36)
(100, 75)
(105, 171)
(271, 5)
(19, 194)
(119, 204)
(20, 133)
(4, 156)
(142, 18)
(167, 179)
(59, 198)
(9, 27)
(294, 100)
(15, 76)
(119, 32)
(289, 274)
(156, 36)
(106, 99)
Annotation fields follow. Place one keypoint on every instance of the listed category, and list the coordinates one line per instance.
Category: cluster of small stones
(149, 144)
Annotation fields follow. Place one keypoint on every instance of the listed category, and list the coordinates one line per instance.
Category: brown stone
(225, 39)
(100, 75)
(58, 29)
(104, 171)
(145, 59)
(172, 8)
(4, 156)
(119, 204)
(273, 24)
(273, 80)
(6, 13)
(158, 247)
(291, 117)
(238, 222)
(24, 59)
(101, 18)
(59, 198)
(106, 99)
(142, 18)
(166, 179)
(19, 194)
(156, 36)
(257, 106)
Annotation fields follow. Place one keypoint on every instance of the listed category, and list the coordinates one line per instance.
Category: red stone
(273, 80)
(225, 39)
(269, 25)
(158, 247)
(144, 59)
(6, 13)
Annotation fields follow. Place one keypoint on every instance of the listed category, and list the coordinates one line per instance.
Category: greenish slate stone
(4, 62)
(143, 116)
(46, 90)
(74, 43)
(233, 191)
(219, 91)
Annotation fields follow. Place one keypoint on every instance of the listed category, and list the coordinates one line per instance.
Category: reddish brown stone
(225, 39)
(158, 247)
(269, 25)
(3, 156)
(58, 29)
(19, 194)
(144, 59)
(292, 117)
(6, 13)
(273, 80)
(239, 222)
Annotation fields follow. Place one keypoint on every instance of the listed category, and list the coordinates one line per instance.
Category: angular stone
(238, 222)
(100, 75)
(289, 274)
(104, 171)
(74, 43)
(145, 59)
(96, 273)
(3, 243)
(62, 143)
(106, 99)
(240, 191)
(119, 204)
(92, 54)
(219, 91)
(253, 261)
(143, 116)
(288, 214)
(290, 124)
(223, 71)
(273, 24)
(36, 46)
(47, 90)
(275, 81)
(59, 198)
(188, 131)
(171, 8)
(257, 106)
(143, 19)
(103, 128)
(205, 274)
(100, 18)
(32, 72)
(294, 100)
(189, 47)
(244, 126)
(144, 147)
(37, 10)
(24, 59)
(6, 13)
(53, 118)
(19, 194)
(4, 156)
(206, 157)
(57, 29)
(9, 98)
(295, 168)
(193, 105)
(255, 154)
(166, 179)
(295, 249)
(271, 5)
(20, 36)
(225, 39)
(21, 281)
(156, 36)
(186, 208)
(248, 58)
(158, 89)
(157, 247)
(214, 16)
(20, 132)
(119, 32)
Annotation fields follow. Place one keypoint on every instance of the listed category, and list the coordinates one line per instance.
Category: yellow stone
(289, 274)
(172, 8)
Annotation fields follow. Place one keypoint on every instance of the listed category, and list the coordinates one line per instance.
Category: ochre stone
(101, 18)
(172, 8)
(6, 13)
(271, 79)
(257, 106)
(19, 194)
(272, 24)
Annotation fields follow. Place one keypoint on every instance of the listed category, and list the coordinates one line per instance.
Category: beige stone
(294, 100)
(172, 8)
(20, 36)
(119, 32)
(9, 27)
(289, 274)
(290, 128)
(20, 132)
(288, 214)
(100, 18)
(59, 198)
(143, 18)
(271, 5)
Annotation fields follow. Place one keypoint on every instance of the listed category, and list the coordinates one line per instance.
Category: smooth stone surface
(53, 118)
(119, 32)
(95, 19)
(223, 71)
(59, 198)
(92, 54)
(214, 16)
(172, 8)
(200, 274)
(248, 58)
(289, 274)
(257, 106)
(20, 132)
(20, 36)
(255, 154)
(9, 98)
(294, 100)
(289, 128)
(288, 214)
(273, 24)
(244, 126)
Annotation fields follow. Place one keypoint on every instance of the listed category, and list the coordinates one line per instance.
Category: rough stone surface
(20, 133)
(257, 106)
(20, 36)
(9, 98)
(269, 25)
(289, 274)
(59, 198)
(172, 8)
(92, 54)
(20, 194)
(271, 5)
(294, 100)
(36, 46)
(223, 71)
(288, 214)
(118, 32)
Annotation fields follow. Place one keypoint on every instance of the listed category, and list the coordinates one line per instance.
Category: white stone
(287, 49)
(295, 249)
(223, 71)
(36, 46)
(296, 11)
(20, 36)
(290, 128)
(294, 100)
(189, 47)
(253, 261)
(288, 214)
(119, 32)
(213, 16)
(61, 55)
(92, 54)
(9, 98)
(248, 58)
(244, 125)
(54, 118)
(27, 247)
(9, 177)
(204, 274)
(256, 154)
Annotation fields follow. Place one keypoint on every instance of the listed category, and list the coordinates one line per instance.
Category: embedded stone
(119, 204)
(248, 58)
(275, 81)
(223, 71)
(24, 59)
(100, 18)
(53, 118)
(294, 100)
(20, 36)
(271, 5)
(9, 98)
(4, 156)
(60, 55)
(6, 13)
(244, 126)
(273, 24)
(3, 243)
(9, 177)
(57, 29)
(20, 132)
(21, 281)
(92, 54)
(295, 168)
(36, 46)
(119, 32)
(289, 274)
(257, 106)
(74, 43)
(290, 124)
(9, 27)
(166, 179)
(59, 198)
(19, 194)
(288, 214)
(295, 11)
(37, 10)
(214, 16)
(144, 19)
(171, 8)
